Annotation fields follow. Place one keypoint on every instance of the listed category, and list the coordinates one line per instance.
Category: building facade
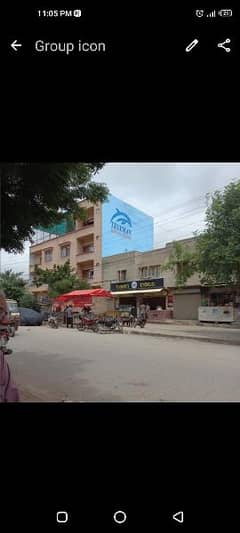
(139, 277)
(109, 228)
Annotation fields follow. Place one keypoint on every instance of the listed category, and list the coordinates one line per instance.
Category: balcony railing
(86, 224)
(86, 252)
(87, 276)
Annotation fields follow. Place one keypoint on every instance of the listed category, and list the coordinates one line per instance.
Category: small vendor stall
(216, 314)
(100, 301)
(220, 304)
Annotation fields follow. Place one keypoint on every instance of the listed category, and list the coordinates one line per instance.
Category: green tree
(60, 279)
(12, 284)
(218, 247)
(182, 261)
(30, 301)
(43, 194)
(216, 253)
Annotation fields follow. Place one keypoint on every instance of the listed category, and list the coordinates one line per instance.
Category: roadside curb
(184, 337)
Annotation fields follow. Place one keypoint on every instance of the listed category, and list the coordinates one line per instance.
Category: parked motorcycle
(53, 322)
(88, 323)
(140, 321)
(108, 324)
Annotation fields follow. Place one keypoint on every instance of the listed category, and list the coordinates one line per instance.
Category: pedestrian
(65, 314)
(143, 311)
(133, 315)
(69, 313)
(148, 308)
(134, 311)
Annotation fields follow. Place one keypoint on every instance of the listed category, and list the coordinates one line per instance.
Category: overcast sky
(174, 194)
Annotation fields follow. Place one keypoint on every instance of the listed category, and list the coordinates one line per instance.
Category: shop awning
(83, 295)
(147, 291)
(90, 292)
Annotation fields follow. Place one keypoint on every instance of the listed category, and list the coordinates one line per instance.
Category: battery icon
(225, 13)
(77, 13)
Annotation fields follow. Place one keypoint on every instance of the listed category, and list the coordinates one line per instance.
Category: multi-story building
(109, 228)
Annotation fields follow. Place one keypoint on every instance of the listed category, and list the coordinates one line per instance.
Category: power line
(140, 230)
(156, 243)
(156, 223)
(165, 222)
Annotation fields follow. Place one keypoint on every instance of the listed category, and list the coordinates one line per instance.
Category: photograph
(120, 282)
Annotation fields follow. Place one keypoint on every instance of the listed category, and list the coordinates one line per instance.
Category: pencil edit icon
(191, 45)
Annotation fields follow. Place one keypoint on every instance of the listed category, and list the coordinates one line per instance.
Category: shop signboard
(141, 285)
(216, 314)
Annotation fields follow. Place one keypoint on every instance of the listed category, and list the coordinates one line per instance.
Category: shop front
(151, 293)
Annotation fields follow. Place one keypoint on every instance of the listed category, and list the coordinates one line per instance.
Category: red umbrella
(89, 292)
(83, 296)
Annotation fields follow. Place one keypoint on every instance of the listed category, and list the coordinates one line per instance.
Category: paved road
(52, 365)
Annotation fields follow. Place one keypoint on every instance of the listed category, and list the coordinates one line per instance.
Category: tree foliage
(29, 300)
(218, 247)
(39, 194)
(181, 261)
(60, 279)
(216, 253)
(12, 284)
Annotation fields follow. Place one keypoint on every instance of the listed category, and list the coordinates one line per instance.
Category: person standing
(69, 313)
(134, 311)
(65, 314)
(133, 317)
(143, 311)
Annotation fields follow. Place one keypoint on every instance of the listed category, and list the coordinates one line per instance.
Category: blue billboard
(125, 228)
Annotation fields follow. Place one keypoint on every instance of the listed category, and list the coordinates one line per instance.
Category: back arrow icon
(179, 517)
(15, 45)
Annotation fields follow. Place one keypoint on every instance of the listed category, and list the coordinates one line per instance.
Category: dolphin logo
(121, 218)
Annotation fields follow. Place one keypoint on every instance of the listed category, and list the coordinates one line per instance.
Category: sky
(174, 194)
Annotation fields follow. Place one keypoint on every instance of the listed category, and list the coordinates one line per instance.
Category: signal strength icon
(212, 14)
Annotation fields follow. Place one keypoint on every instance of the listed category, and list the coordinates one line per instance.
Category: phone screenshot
(119, 268)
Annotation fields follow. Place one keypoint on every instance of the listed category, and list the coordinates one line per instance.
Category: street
(56, 365)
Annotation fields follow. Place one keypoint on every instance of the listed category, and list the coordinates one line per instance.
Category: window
(88, 248)
(88, 274)
(181, 266)
(65, 251)
(154, 271)
(48, 256)
(122, 275)
(143, 272)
